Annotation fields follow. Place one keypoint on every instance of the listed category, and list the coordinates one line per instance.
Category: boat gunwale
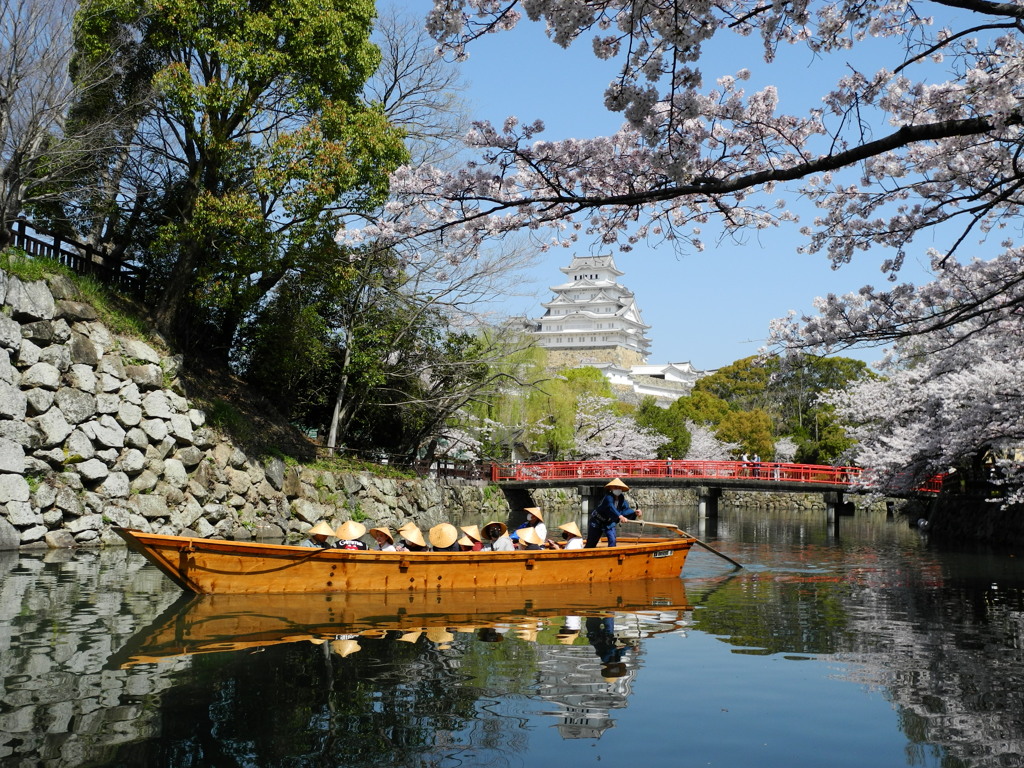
(164, 541)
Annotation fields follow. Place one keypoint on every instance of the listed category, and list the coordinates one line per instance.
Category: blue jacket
(606, 513)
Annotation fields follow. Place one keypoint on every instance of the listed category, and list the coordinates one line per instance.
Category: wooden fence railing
(82, 258)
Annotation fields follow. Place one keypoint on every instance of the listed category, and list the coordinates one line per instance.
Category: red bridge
(737, 475)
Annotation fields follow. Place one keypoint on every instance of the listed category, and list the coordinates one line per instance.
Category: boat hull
(214, 566)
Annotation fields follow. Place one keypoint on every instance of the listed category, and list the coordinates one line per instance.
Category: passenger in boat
(571, 534)
(530, 539)
(385, 541)
(444, 538)
(412, 538)
(613, 509)
(318, 536)
(496, 537)
(349, 534)
(473, 533)
(535, 520)
(466, 544)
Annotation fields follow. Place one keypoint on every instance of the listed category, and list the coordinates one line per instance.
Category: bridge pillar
(707, 502)
(835, 506)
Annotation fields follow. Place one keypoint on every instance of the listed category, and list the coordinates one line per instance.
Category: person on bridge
(613, 509)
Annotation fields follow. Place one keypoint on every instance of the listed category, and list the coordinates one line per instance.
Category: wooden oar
(706, 546)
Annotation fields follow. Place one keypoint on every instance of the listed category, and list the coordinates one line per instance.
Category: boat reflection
(582, 643)
(201, 624)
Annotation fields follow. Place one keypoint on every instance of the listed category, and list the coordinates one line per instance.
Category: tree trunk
(332, 437)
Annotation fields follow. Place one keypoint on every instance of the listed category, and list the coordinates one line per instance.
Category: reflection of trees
(944, 640)
(953, 666)
(767, 615)
(302, 706)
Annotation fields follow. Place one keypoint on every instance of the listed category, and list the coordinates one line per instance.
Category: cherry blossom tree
(893, 147)
(955, 378)
(915, 148)
(705, 446)
(602, 433)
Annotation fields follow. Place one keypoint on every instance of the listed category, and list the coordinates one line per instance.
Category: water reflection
(910, 656)
(198, 624)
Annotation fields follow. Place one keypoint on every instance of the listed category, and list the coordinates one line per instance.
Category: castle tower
(592, 319)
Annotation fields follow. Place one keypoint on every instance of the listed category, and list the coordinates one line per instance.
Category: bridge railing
(808, 474)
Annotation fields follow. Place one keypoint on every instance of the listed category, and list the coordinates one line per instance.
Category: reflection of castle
(588, 681)
(570, 677)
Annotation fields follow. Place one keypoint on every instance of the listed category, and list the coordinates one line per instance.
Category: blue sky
(709, 308)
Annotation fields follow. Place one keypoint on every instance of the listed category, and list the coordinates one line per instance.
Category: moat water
(857, 644)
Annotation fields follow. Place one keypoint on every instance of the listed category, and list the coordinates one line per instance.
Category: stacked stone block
(96, 431)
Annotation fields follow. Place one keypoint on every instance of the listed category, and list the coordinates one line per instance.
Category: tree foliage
(666, 422)
(252, 146)
(602, 431)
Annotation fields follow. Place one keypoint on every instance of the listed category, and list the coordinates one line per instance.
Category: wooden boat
(200, 624)
(212, 566)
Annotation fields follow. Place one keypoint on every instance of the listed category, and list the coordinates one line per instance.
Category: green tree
(667, 422)
(752, 430)
(744, 384)
(253, 146)
(700, 408)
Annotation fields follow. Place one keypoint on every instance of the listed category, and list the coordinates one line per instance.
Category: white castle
(595, 321)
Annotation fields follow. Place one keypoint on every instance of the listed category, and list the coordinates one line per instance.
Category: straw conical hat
(345, 647)
(572, 529)
(407, 526)
(612, 671)
(413, 534)
(535, 511)
(350, 529)
(443, 535)
(473, 531)
(465, 541)
(617, 483)
(530, 536)
(439, 635)
(504, 528)
(322, 528)
(384, 532)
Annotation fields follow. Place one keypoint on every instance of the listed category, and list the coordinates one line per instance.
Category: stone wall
(573, 357)
(96, 431)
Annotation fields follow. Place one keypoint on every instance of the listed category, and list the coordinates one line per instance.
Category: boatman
(613, 509)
